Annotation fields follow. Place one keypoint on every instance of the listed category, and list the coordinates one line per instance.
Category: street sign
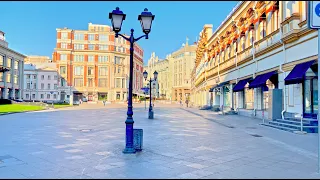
(314, 14)
(314, 23)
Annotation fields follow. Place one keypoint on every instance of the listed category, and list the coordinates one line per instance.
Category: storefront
(306, 74)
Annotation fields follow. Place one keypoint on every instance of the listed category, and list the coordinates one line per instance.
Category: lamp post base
(150, 115)
(129, 150)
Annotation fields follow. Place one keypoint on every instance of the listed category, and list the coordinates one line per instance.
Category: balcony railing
(267, 41)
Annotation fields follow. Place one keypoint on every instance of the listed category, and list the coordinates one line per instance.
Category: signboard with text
(314, 14)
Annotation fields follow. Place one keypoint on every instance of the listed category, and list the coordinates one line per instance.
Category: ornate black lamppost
(145, 19)
(145, 75)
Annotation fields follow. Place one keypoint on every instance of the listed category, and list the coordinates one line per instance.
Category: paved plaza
(87, 142)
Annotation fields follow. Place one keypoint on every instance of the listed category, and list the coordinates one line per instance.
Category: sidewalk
(306, 144)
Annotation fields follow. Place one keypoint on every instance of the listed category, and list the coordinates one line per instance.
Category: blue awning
(261, 80)
(298, 73)
(241, 84)
(217, 86)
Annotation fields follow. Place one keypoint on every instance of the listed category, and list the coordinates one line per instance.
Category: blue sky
(30, 27)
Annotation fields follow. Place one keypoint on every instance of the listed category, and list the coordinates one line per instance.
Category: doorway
(310, 98)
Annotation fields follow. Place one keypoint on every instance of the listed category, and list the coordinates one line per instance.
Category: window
(78, 36)
(263, 29)
(49, 77)
(9, 62)
(78, 70)
(33, 96)
(102, 59)
(42, 77)
(28, 85)
(103, 71)
(64, 35)
(55, 77)
(118, 83)
(78, 58)
(54, 96)
(119, 70)
(48, 96)
(63, 70)
(117, 60)
(90, 71)
(103, 47)
(90, 82)
(249, 98)
(1, 77)
(91, 37)
(27, 96)
(1, 60)
(275, 20)
(102, 82)
(90, 58)
(79, 46)
(64, 45)
(9, 78)
(91, 46)
(78, 82)
(41, 96)
(16, 64)
(63, 82)
(63, 57)
(34, 85)
(266, 94)
(28, 76)
(15, 79)
(49, 86)
(42, 86)
(55, 86)
(103, 37)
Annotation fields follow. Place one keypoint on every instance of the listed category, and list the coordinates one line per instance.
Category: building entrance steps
(294, 124)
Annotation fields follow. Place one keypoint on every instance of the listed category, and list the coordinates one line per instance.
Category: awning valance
(297, 75)
(220, 85)
(241, 84)
(261, 80)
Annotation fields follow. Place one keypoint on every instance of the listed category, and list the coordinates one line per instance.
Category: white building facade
(41, 84)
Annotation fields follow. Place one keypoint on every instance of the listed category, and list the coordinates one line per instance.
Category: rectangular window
(28, 76)
(34, 85)
(54, 96)
(64, 45)
(41, 96)
(90, 71)
(91, 37)
(55, 77)
(78, 58)
(63, 57)
(249, 98)
(33, 96)
(118, 83)
(9, 78)
(49, 86)
(16, 64)
(63, 69)
(64, 35)
(48, 96)
(49, 77)
(1, 76)
(117, 60)
(103, 47)
(42, 86)
(78, 36)
(42, 77)
(15, 79)
(79, 46)
(78, 70)
(28, 85)
(9, 62)
(63, 82)
(27, 96)
(78, 82)
(91, 46)
(90, 82)
(103, 71)
(90, 58)
(102, 59)
(103, 37)
(55, 86)
(103, 82)
(1, 60)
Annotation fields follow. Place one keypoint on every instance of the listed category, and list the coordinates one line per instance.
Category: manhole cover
(255, 135)
(251, 128)
(85, 130)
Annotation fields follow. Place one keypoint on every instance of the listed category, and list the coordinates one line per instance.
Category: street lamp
(145, 19)
(145, 75)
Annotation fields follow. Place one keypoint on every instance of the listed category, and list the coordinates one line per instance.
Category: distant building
(95, 64)
(11, 71)
(41, 84)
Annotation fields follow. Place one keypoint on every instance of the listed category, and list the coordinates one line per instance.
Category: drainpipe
(281, 70)
(236, 59)
(254, 59)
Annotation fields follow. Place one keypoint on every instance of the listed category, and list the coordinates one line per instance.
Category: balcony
(243, 55)
(268, 41)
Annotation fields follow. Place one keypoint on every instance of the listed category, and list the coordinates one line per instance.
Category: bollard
(138, 139)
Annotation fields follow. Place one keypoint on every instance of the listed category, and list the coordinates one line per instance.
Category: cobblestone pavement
(87, 142)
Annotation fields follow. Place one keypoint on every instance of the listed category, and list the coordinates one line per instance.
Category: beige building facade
(247, 62)
(11, 71)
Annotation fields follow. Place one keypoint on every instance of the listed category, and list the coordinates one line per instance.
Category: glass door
(315, 96)
(310, 98)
